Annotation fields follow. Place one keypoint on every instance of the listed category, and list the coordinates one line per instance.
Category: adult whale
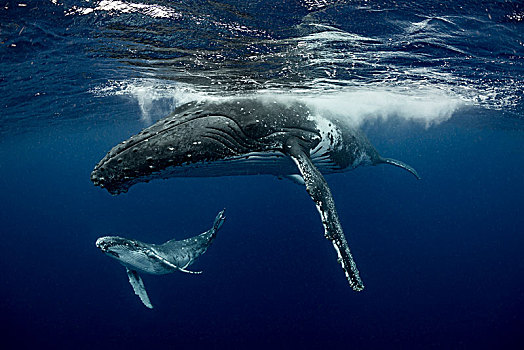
(247, 136)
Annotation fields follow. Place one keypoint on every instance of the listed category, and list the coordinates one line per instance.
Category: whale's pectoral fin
(319, 191)
(189, 271)
(138, 287)
(154, 253)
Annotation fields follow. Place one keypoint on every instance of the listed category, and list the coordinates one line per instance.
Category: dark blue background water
(439, 86)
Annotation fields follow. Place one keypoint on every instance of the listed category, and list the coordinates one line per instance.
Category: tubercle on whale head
(101, 178)
(118, 247)
(112, 182)
(107, 245)
(152, 158)
(105, 242)
(136, 160)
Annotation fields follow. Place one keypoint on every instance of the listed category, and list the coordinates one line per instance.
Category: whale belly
(140, 262)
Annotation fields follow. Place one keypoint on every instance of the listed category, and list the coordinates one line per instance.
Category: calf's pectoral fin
(189, 271)
(170, 264)
(319, 191)
(138, 286)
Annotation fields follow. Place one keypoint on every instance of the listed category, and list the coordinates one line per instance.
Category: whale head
(174, 141)
(125, 250)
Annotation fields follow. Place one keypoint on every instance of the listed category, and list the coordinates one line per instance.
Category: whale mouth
(115, 254)
(105, 246)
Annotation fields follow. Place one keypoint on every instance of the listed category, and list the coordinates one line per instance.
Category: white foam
(156, 100)
(356, 105)
(359, 106)
(117, 7)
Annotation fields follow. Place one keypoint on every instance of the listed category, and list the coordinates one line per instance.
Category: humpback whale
(157, 259)
(248, 136)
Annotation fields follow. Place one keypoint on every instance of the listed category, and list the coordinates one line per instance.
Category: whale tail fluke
(219, 220)
(400, 164)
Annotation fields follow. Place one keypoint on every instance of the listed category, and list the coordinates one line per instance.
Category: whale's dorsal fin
(138, 286)
(319, 191)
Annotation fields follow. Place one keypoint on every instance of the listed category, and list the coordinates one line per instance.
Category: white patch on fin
(190, 272)
(295, 178)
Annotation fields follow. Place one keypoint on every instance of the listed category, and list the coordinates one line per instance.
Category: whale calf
(157, 259)
(248, 136)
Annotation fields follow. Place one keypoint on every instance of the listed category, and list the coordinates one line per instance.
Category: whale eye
(115, 254)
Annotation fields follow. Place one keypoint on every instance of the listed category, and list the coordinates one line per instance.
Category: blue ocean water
(438, 85)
